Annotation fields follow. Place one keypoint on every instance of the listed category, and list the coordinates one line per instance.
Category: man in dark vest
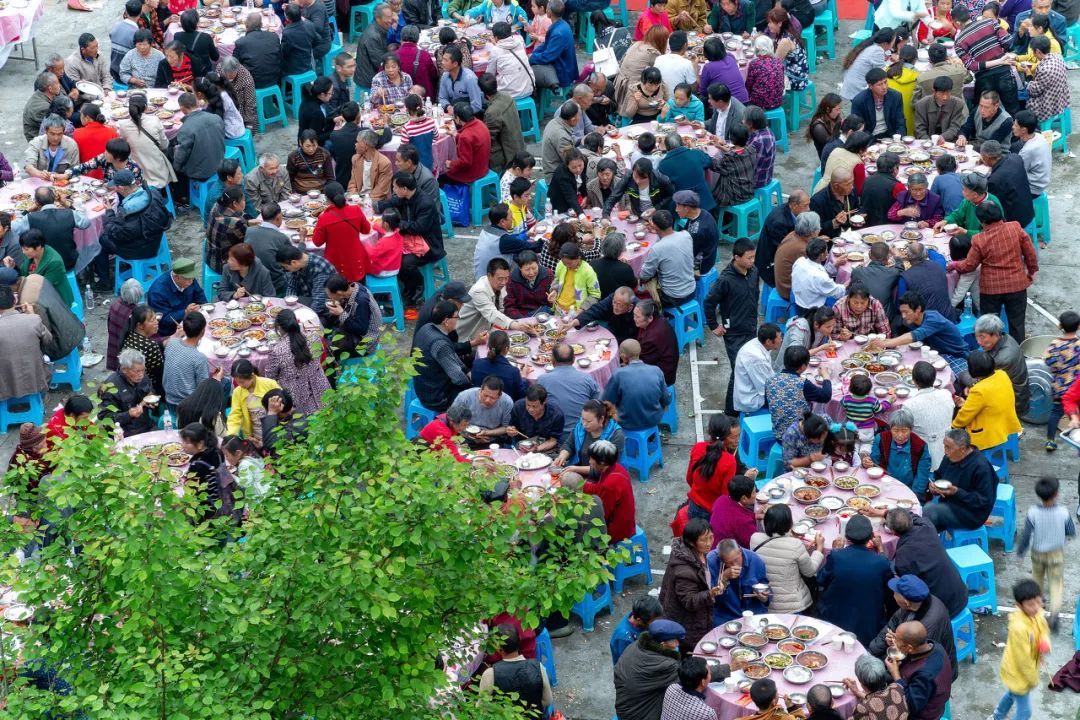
(56, 222)
(927, 277)
(880, 278)
(902, 453)
(517, 674)
(441, 373)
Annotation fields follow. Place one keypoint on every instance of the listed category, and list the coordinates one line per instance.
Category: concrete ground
(585, 690)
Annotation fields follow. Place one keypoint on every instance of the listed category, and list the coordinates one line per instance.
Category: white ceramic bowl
(874, 472)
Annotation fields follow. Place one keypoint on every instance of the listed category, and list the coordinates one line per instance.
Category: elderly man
(46, 87)
(753, 367)
(981, 45)
(122, 394)
(371, 170)
(969, 500)
(419, 216)
(670, 262)
(914, 601)
(615, 311)
(174, 293)
(812, 283)
(701, 226)
(685, 168)
(57, 222)
(659, 345)
(974, 188)
(836, 203)
(637, 390)
(558, 137)
(582, 96)
(924, 673)
(919, 552)
(503, 124)
(260, 52)
(268, 182)
(880, 105)
(1006, 182)
(926, 276)
(853, 582)
(534, 417)
(731, 308)
(407, 160)
(200, 144)
(509, 63)
(485, 307)
(738, 570)
(647, 668)
(568, 388)
(988, 122)
(902, 453)
(778, 225)
(490, 408)
(242, 85)
(1048, 92)
(793, 247)
(554, 61)
(458, 82)
(441, 374)
(22, 368)
(372, 47)
(941, 113)
(941, 65)
(1004, 349)
(1034, 151)
(87, 63)
(603, 99)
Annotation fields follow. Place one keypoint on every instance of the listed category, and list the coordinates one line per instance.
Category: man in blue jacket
(555, 61)
(739, 570)
(854, 583)
(880, 106)
(637, 390)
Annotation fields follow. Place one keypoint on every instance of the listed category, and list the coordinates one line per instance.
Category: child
(244, 462)
(384, 255)
(959, 248)
(992, 11)
(538, 28)
(1045, 529)
(520, 166)
(419, 130)
(860, 406)
(840, 443)
(646, 148)
(520, 214)
(1025, 647)
(1062, 358)
(684, 102)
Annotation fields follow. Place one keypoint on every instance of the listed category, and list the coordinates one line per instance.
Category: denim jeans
(1023, 706)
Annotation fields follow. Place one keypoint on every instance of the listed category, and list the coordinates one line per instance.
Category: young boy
(1028, 641)
(646, 609)
(1045, 529)
(859, 405)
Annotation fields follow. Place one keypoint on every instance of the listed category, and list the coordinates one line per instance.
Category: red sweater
(704, 491)
(438, 434)
(731, 520)
(1071, 399)
(91, 139)
(384, 255)
(339, 229)
(473, 153)
(617, 495)
(521, 300)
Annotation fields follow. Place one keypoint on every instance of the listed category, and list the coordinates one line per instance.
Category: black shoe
(564, 631)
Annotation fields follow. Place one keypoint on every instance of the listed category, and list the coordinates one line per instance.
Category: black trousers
(1015, 305)
(732, 345)
(999, 79)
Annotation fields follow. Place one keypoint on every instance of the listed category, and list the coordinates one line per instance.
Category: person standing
(731, 309)
(982, 44)
(371, 48)
(1047, 526)
(1028, 642)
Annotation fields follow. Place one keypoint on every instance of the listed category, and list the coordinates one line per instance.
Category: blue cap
(663, 630)
(911, 587)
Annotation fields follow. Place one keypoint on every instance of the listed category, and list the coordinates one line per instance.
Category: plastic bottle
(967, 305)
(547, 209)
(89, 300)
(166, 421)
(87, 346)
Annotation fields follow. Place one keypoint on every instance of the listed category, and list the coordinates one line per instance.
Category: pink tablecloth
(634, 257)
(929, 239)
(16, 20)
(968, 160)
(600, 369)
(86, 241)
(891, 491)
(429, 40)
(841, 665)
(226, 39)
(443, 150)
(309, 322)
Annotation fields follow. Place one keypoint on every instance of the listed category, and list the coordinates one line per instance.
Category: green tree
(368, 561)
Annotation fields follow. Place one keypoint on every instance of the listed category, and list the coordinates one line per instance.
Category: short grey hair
(369, 138)
(44, 81)
(129, 358)
(726, 547)
(54, 121)
(380, 9)
(902, 418)
(623, 292)
(458, 413)
(253, 22)
(808, 224)
(898, 520)
(268, 157)
(917, 179)
(960, 437)
(916, 252)
(229, 64)
(131, 291)
(672, 141)
(64, 102)
(974, 182)
(557, 7)
(581, 90)
(52, 59)
(571, 481)
(871, 673)
(990, 148)
(613, 245)
(990, 325)
(763, 46)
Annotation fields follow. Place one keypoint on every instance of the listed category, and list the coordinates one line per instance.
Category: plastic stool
(960, 538)
(360, 16)
(67, 371)
(802, 104)
(1004, 508)
(246, 144)
(389, 286)
(624, 16)
(234, 153)
(671, 412)
(277, 115)
(809, 38)
(946, 714)
(776, 463)
(689, 324)
(447, 225)
(638, 545)
(827, 21)
(977, 570)
(436, 276)
(769, 196)
(490, 181)
(592, 604)
(704, 284)
(77, 302)
(867, 29)
(998, 457)
(530, 121)
(410, 395)
(963, 631)
(547, 95)
(540, 195)
(169, 205)
(145, 271)
(777, 309)
(328, 59)
(642, 451)
(416, 418)
(756, 441)
(545, 653)
(290, 85)
(1062, 122)
(210, 278)
(739, 225)
(34, 412)
(1012, 447)
(199, 195)
(778, 124)
(817, 177)
(1042, 220)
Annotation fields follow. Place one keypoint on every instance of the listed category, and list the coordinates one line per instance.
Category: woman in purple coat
(721, 68)
(917, 203)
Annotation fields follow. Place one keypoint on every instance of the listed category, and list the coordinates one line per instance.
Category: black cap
(456, 290)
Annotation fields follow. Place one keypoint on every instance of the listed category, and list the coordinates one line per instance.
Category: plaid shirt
(1003, 270)
(226, 228)
(764, 146)
(310, 281)
(979, 42)
(872, 319)
(1048, 93)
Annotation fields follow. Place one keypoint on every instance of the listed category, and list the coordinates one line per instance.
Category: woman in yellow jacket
(1027, 643)
(902, 78)
(247, 394)
(989, 413)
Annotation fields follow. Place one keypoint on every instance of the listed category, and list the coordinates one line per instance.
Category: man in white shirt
(932, 409)
(485, 308)
(753, 368)
(674, 66)
(1035, 151)
(811, 281)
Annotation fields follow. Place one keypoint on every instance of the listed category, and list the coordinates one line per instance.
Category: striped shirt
(417, 127)
(1045, 529)
(763, 144)
(979, 42)
(861, 410)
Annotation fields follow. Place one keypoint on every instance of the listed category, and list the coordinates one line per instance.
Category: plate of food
(254, 307)
(532, 461)
(910, 235)
(874, 367)
(798, 675)
(578, 348)
(18, 613)
(831, 502)
(846, 482)
(856, 256)
(258, 335)
(519, 351)
(813, 659)
(863, 357)
(745, 654)
(807, 495)
(518, 338)
(179, 459)
(240, 324)
(790, 647)
(776, 631)
(757, 670)
(778, 660)
(258, 318)
(816, 481)
(221, 333)
(858, 503)
(150, 451)
(217, 322)
(164, 115)
(229, 342)
(806, 633)
(887, 378)
(868, 491)
(171, 447)
(752, 639)
(817, 512)
(399, 119)
(897, 148)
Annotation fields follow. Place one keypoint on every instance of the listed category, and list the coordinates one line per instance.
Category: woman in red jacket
(92, 136)
(610, 481)
(711, 467)
(339, 229)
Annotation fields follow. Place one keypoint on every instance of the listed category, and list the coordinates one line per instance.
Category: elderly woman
(989, 412)
(390, 85)
(991, 336)
(814, 333)
(879, 696)
(765, 75)
(597, 423)
(175, 67)
(687, 592)
(917, 203)
(642, 54)
(786, 560)
(600, 187)
(241, 87)
(609, 481)
(52, 152)
(131, 294)
(141, 336)
(145, 136)
(859, 313)
(139, 68)
(371, 170)
(902, 453)
(789, 48)
(645, 98)
(244, 275)
(611, 272)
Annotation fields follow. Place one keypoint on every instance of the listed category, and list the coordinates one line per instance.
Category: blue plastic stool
(246, 144)
(277, 113)
(67, 371)
(447, 225)
(169, 205)
(290, 86)
(809, 38)
(756, 441)
(778, 124)
(145, 271)
(827, 21)
(800, 104)
(547, 95)
(1062, 122)
(769, 196)
(776, 463)
(1076, 626)
(354, 373)
(530, 121)
(389, 285)
(360, 16)
(210, 278)
(642, 451)
(963, 630)
(592, 604)
(545, 653)
(1004, 508)
(77, 302)
(328, 59)
(977, 570)
(1042, 220)
(34, 411)
(624, 16)
(998, 457)
(199, 196)
(410, 395)
(867, 29)
(817, 178)
(540, 195)
(689, 324)
(946, 714)
(960, 538)
(1012, 447)
(777, 309)
(704, 284)
(739, 225)
(234, 153)
(490, 181)
(638, 545)
(436, 275)
(671, 412)
(417, 417)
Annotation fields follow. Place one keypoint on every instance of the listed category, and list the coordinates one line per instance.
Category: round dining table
(967, 160)
(222, 356)
(841, 648)
(481, 55)
(600, 350)
(135, 443)
(225, 37)
(852, 241)
(86, 239)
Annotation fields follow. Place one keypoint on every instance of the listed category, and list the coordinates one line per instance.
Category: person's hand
(819, 542)
(922, 225)
(938, 225)
(193, 307)
(639, 98)
(892, 664)
(717, 590)
(816, 457)
(961, 141)
(853, 688)
(719, 331)
(552, 295)
(731, 572)
(9, 262)
(958, 401)
(949, 491)
(751, 473)
(867, 461)
(1074, 422)
(842, 260)
(335, 309)
(240, 292)
(275, 405)
(136, 411)
(135, 82)
(890, 638)
(74, 94)
(513, 431)
(218, 373)
(845, 334)
(838, 544)
(707, 29)
(479, 339)
(876, 540)
(559, 461)
(841, 217)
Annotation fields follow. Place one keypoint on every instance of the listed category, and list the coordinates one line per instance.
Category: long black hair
(298, 344)
(719, 429)
(204, 405)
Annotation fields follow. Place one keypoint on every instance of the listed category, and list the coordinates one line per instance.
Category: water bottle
(87, 346)
(547, 208)
(427, 107)
(967, 306)
(118, 435)
(89, 302)
(166, 421)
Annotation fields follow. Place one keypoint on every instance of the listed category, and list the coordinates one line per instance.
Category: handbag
(457, 198)
(603, 59)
